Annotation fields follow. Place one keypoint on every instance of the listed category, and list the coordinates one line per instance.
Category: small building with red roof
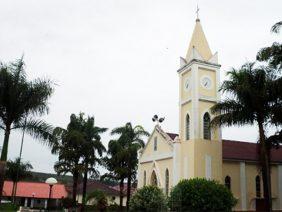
(35, 194)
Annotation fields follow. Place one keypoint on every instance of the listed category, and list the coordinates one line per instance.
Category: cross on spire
(197, 12)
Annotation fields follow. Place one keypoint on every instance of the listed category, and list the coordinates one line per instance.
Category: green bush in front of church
(148, 198)
(199, 195)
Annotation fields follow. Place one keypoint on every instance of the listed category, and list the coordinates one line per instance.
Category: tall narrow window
(207, 131)
(155, 144)
(187, 127)
(227, 182)
(258, 194)
(154, 180)
(144, 180)
(166, 181)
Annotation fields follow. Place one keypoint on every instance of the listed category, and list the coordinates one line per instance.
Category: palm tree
(115, 162)
(67, 144)
(252, 100)
(22, 100)
(272, 54)
(132, 140)
(91, 146)
(17, 171)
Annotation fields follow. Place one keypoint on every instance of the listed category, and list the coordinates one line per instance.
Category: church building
(198, 150)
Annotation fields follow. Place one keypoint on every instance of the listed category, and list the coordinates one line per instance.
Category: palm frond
(37, 128)
(276, 27)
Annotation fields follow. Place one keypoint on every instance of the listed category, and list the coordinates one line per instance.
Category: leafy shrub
(148, 198)
(8, 207)
(201, 195)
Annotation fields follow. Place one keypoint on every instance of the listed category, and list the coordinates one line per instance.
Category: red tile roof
(96, 185)
(172, 135)
(240, 150)
(133, 188)
(39, 190)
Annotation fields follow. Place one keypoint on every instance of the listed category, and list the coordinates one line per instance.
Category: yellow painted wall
(232, 169)
(213, 149)
(162, 146)
(156, 161)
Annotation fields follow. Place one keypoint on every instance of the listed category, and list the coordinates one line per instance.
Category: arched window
(155, 144)
(227, 182)
(154, 180)
(166, 181)
(207, 131)
(258, 194)
(187, 127)
(144, 180)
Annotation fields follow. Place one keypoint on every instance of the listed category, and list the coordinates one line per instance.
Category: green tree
(92, 150)
(254, 98)
(67, 144)
(21, 101)
(17, 171)
(132, 140)
(148, 198)
(201, 195)
(115, 162)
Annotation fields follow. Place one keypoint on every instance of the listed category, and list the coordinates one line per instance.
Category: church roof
(242, 151)
(172, 135)
(199, 42)
(247, 151)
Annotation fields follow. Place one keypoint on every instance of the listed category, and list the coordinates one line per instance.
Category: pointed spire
(199, 42)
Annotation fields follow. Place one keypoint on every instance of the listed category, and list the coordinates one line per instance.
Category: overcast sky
(117, 59)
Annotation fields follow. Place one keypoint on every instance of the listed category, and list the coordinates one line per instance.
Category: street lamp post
(50, 181)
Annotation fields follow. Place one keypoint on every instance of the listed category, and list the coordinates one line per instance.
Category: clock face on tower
(187, 84)
(206, 82)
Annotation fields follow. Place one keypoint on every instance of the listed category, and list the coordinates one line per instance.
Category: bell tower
(198, 91)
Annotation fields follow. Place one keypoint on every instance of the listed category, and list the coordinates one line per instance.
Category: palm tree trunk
(84, 187)
(13, 192)
(4, 152)
(121, 186)
(128, 191)
(4, 159)
(265, 167)
(74, 186)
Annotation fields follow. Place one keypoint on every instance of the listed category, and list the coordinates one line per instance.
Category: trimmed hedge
(148, 198)
(199, 195)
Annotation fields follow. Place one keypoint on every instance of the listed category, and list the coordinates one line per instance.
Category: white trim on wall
(185, 167)
(195, 103)
(208, 164)
(156, 157)
(243, 186)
